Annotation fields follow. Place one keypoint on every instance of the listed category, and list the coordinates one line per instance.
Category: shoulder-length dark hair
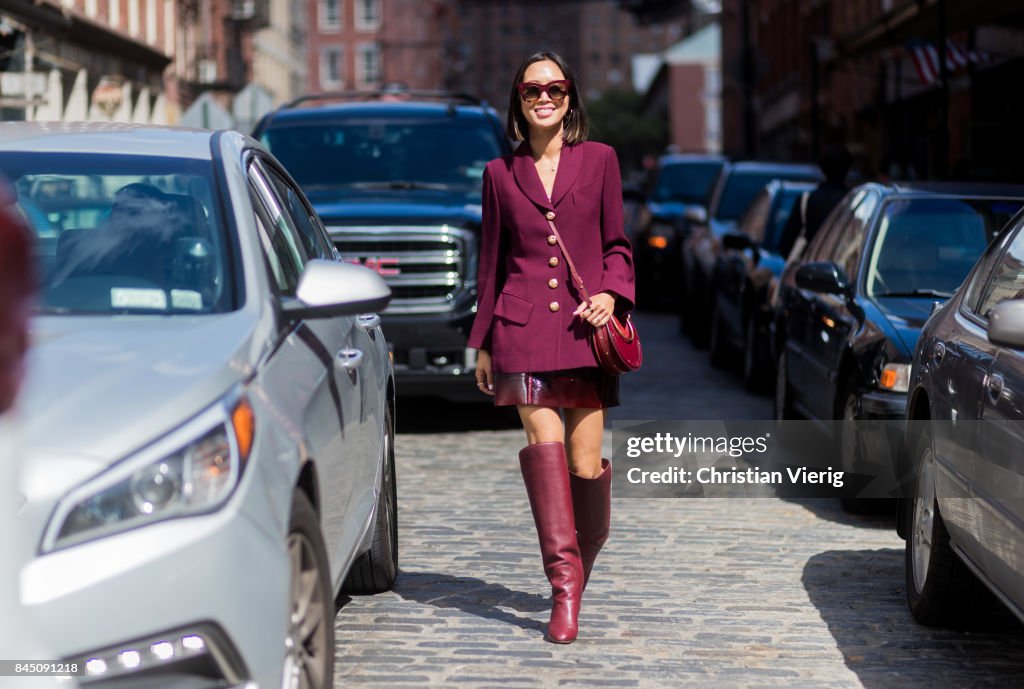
(575, 126)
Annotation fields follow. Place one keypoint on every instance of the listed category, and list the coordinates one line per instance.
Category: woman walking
(531, 327)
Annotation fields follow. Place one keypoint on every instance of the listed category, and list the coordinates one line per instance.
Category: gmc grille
(427, 268)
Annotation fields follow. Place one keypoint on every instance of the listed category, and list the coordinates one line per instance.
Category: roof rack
(389, 92)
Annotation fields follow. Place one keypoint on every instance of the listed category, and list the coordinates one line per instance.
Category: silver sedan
(207, 420)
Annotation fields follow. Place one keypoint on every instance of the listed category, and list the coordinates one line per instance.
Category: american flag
(926, 59)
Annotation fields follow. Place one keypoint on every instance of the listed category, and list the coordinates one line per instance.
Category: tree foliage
(618, 120)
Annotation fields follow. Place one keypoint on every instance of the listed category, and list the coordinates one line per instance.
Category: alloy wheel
(924, 519)
(307, 628)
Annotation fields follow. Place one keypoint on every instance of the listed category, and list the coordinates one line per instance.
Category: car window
(741, 188)
(820, 248)
(928, 245)
(366, 156)
(782, 206)
(976, 287)
(757, 217)
(281, 248)
(687, 181)
(124, 233)
(850, 241)
(1008, 278)
(304, 220)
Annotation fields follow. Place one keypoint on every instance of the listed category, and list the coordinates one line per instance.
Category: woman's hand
(602, 305)
(484, 377)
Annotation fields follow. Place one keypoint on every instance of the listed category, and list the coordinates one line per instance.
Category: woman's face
(544, 113)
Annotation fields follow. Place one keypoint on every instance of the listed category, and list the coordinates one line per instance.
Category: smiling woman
(125, 234)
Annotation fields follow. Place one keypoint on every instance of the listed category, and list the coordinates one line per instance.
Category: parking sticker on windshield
(186, 299)
(137, 298)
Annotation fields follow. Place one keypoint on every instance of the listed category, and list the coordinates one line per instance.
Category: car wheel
(309, 659)
(755, 377)
(940, 588)
(376, 570)
(718, 349)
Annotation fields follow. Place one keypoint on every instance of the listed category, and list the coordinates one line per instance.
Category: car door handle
(994, 385)
(348, 358)
(938, 352)
(368, 321)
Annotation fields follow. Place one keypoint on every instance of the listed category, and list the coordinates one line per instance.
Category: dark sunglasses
(530, 91)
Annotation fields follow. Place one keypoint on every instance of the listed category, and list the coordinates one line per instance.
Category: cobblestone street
(688, 592)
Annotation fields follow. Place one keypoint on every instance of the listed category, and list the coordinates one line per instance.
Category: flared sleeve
(488, 266)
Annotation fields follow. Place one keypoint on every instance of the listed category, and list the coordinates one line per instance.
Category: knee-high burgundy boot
(546, 476)
(592, 506)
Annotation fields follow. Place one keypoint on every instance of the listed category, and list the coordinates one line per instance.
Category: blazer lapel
(527, 178)
(569, 163)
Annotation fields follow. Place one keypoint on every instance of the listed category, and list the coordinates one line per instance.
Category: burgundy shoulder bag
(616, 344)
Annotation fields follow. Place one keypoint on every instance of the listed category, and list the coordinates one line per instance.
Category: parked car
(208, 414)
(963, 520)
(848, 316)
(398, 183)
(678, 183)
(734, 191)
(744, 277)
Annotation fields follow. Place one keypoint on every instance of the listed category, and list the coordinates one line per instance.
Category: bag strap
(550, 217)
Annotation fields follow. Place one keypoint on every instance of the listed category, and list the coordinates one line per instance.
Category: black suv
(397, 179)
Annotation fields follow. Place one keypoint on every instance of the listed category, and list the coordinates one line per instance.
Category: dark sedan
(745, 275)
(847, 319)
(680, 182)
(734, 191)
(965, 438)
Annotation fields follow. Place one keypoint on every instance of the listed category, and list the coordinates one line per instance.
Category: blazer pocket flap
(513, 308)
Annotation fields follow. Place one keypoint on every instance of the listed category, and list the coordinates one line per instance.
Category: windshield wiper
(921, 292)
(401, 184)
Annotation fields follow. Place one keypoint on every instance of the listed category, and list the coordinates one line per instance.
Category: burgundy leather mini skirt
(587, 388)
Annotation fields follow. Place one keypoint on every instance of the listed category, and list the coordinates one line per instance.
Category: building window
(330, 15)
(369, 65)
(332, 63)
(367, 15)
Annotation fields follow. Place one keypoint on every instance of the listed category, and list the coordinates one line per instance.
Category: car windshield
(435, 154)
(689, 182)
(742, 187)
(783, 206)
(925, 247)
(123, 234)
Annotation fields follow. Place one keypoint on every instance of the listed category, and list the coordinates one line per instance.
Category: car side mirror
(696, 215)
(1006, 324)
(736, 241)
(334, 288)
(824, 277)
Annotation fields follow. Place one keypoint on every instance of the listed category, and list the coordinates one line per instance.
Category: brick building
(597, 38)
(869, 74)
(87, 59)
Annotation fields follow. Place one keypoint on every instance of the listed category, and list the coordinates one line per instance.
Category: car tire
(376, 570)
(941, 590)
(755, 375)
(309, 659)
(849, 447)
(718, 348)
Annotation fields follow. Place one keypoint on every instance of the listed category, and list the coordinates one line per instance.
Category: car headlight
(895, 378)
(660, 235)
(192, 470)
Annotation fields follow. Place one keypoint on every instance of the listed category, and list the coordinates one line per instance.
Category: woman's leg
(583, 431)
(590, 481)
(542, 424)
(546, 476)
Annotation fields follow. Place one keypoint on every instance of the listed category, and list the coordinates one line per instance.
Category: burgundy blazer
(525, 295)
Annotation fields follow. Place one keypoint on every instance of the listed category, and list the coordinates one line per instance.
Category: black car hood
(378, 207)
(905, 316)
